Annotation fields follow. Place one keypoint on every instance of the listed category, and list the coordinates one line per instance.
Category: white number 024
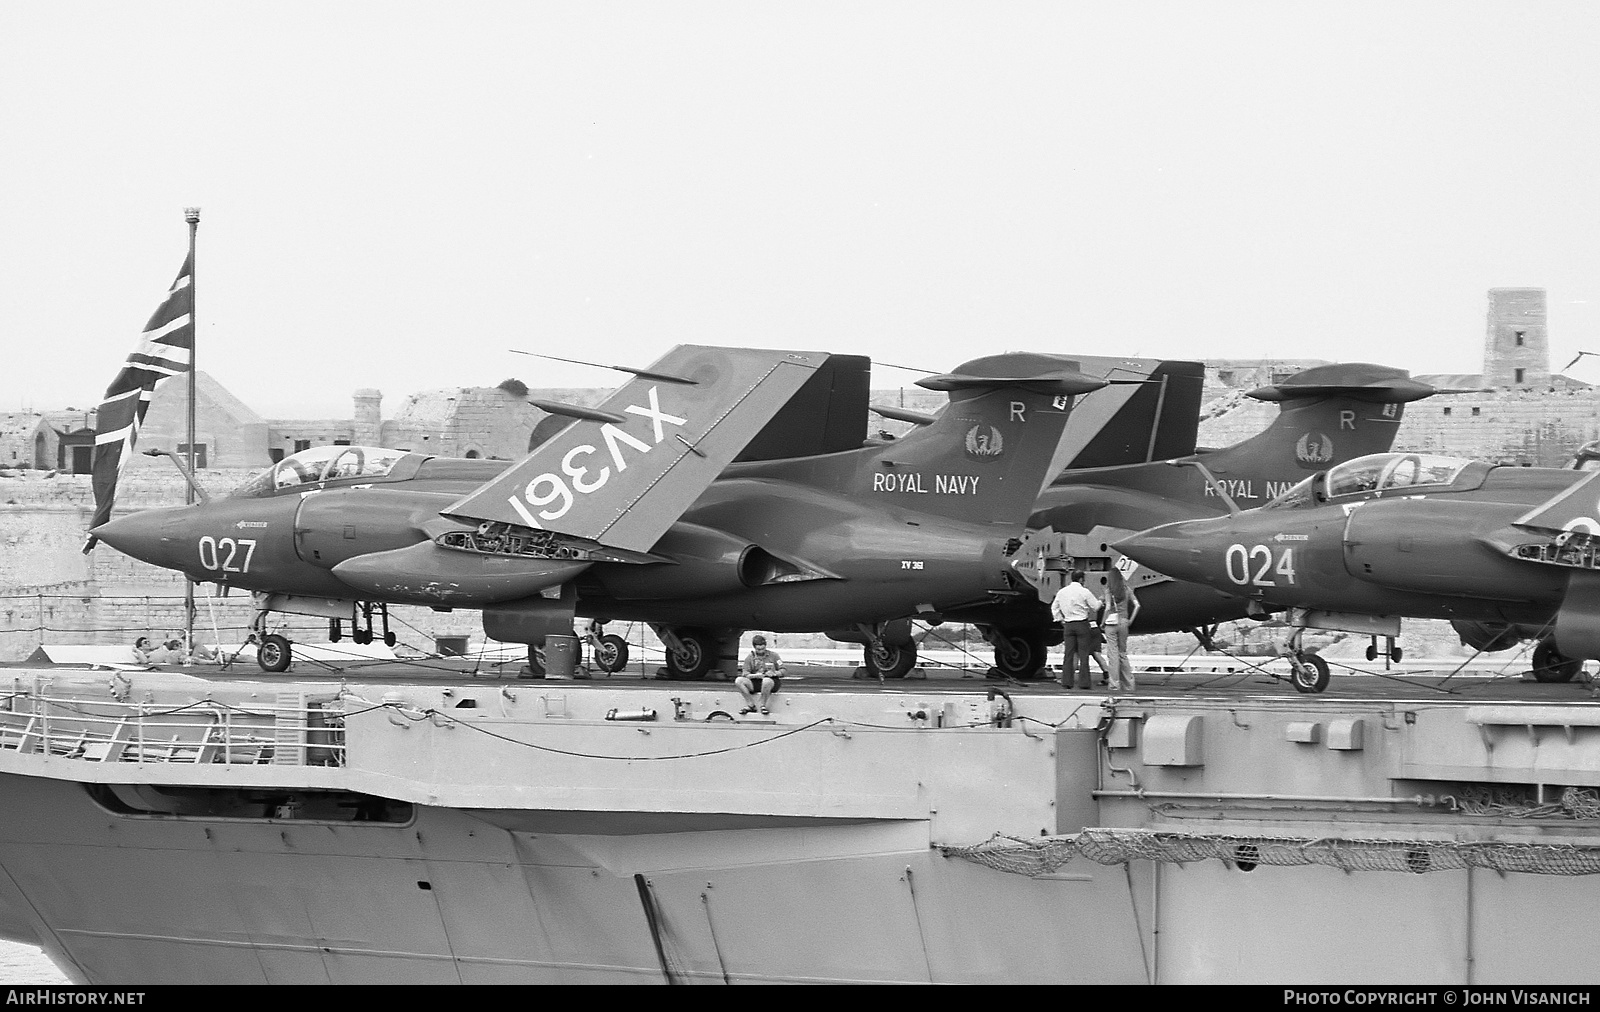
(1240, 560)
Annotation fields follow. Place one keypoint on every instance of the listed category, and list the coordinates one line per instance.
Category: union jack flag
(166, 348)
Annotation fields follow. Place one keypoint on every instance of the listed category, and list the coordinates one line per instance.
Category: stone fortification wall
(484, 422)
(1539, 427)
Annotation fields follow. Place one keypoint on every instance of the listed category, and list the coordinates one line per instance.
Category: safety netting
(1043, 855)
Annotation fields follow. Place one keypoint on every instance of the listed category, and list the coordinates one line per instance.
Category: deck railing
(295, 730)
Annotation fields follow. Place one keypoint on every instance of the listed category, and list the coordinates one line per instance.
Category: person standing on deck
(1075, 607)
(1121, 607)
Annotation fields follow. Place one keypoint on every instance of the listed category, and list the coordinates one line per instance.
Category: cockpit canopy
(321, 464)
(1376, 473)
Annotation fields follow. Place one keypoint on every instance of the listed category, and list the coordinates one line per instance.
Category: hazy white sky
(395, 194)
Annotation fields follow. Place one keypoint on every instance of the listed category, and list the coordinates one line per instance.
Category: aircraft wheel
(335, 631)
(695, 659)
(612, 654)
(1309, 672)
(1019, 655)
(390, 639)
(1372, 652)
(274, 653)
(535, 661)
(889, 661)
(1551, 665)
(1396, 654)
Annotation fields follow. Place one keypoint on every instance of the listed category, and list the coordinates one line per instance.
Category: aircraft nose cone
(1177, 550)
(141, 535)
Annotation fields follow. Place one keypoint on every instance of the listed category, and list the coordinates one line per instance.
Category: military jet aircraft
(1327, 414)
(634, 511)
(1505, 553)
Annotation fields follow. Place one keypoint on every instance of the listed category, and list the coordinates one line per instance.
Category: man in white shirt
(1076, 608)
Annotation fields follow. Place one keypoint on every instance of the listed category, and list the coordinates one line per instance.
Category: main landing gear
(691, 652)
(889, 660)
(610, 651)
(607, 651)
(1019, 653)
(1551, 665)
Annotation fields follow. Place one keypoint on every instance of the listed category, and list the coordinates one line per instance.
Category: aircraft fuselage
(881, 563)
(1435, 553)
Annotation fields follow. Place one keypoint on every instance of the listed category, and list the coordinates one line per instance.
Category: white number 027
(224, 555)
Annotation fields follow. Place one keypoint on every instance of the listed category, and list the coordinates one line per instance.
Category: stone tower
(368, 422)
(1516, 351)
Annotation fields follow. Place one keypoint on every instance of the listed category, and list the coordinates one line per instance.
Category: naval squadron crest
(984, 442)
(1314, 449)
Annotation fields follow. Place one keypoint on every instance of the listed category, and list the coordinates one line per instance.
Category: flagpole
(192, 216)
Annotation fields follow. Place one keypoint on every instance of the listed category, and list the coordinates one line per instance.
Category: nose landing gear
(1307, 671)
(275, 652)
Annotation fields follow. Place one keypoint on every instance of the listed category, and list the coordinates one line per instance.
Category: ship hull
(152, 901)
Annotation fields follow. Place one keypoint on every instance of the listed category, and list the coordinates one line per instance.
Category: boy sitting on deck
(761, 673)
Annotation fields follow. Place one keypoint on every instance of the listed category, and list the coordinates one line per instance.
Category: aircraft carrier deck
(1487, 677)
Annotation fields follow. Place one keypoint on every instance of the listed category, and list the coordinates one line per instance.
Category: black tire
(335, 631)
(1372, 651)
(390, 639)
(885, 660)
(611, 656)
(274, 653)
(535, 661)
(1020, 655)
(695, 659)
(1308, 672)
(1396, 654)
(1551, 665)
(361, 637)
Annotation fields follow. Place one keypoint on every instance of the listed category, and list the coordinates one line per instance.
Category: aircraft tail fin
(1149, 410)
(1326, 415)
(620, 474)
(985, 457)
